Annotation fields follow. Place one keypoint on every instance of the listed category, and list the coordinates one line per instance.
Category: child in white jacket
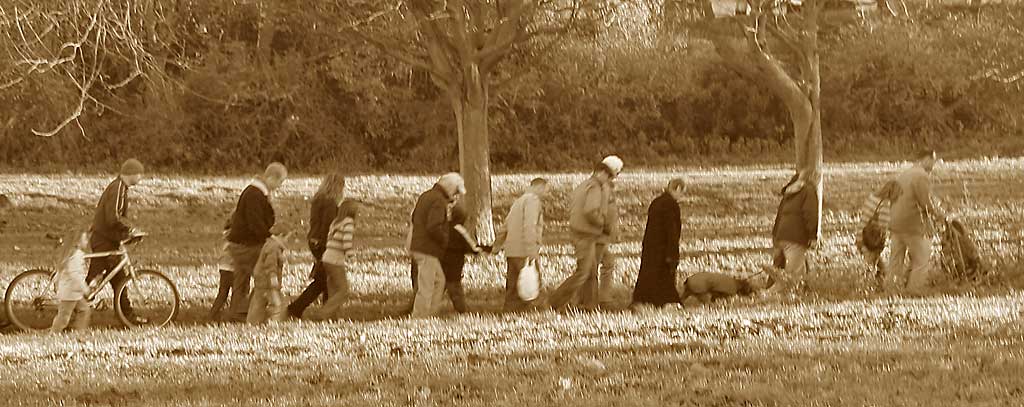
(71, 286)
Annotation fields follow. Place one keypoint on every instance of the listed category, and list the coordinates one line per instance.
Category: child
(460, 243)
(71, 286)
(339, 245)
(266, 303)
(875, 221)
(227, 276)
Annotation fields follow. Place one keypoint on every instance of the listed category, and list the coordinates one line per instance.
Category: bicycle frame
(123, 266)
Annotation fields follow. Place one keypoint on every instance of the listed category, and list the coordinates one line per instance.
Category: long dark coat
(659, 256)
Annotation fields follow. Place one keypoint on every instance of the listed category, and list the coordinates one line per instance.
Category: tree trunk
(470, 109)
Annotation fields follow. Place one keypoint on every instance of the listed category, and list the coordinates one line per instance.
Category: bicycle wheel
(30, 300)
(152, 297)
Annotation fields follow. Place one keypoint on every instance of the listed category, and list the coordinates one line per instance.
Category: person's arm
(113, 207)
(437, 222)
(923, 196)
(531, 225)
(467, 242)
(593, 205)
(675, 226)
(810, 211)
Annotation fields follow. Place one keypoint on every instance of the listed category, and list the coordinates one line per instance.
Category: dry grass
(842, 345)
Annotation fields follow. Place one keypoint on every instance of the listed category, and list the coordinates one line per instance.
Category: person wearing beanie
(110, 227)
(593, 224)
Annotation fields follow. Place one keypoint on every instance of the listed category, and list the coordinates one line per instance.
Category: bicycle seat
(133, 239)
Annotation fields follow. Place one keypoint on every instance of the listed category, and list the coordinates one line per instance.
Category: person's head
(452, 184)
(332, 187)
(927, 159)
(677, 188)
(348, 208)
(459, 214)
(539, 187)
(274, 175)
(131, 171)
(77, 239)
(609, 168)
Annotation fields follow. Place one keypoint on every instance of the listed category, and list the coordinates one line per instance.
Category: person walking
(795, 232)
(911, 225)
(71, 286)
(429, 239)
(251, 225)
(226, 272)
(267, 302)
(875, 215)
(659, 251)
(336, 259)
(322, 212)
(521, 237)
(110, 227)
(460, 243)
(593, 218)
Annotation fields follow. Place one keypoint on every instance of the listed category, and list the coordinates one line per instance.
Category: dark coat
(253, 218)
(430, 223)
(109, 223)
(797, 218)
(659, 256)
(459, 246)
(321, 213)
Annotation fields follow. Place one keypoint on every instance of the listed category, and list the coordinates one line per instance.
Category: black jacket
(321, 213)
(109, 224)
(430, 223)
(253, 218)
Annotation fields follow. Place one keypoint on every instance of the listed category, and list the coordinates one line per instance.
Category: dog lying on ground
(712, 286)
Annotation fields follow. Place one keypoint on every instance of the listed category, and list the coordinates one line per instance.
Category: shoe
(137, 320)
(293, 315)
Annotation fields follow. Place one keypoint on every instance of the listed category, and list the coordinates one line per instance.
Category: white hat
(452, 182)
(614, 163)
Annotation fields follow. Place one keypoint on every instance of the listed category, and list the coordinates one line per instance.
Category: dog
(706, 286)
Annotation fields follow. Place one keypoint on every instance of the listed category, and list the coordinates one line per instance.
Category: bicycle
(31, 303)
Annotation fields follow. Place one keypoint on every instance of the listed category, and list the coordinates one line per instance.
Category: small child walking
(227, 277)
(266, 303)
(339, 246)
(460, 243)
(71, 286)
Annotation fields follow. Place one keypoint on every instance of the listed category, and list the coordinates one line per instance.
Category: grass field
(842, 344)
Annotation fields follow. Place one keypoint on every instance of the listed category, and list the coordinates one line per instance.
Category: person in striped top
(874, 215)
(339, 246)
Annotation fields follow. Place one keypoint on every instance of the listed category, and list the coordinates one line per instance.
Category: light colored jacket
(339, 241)
(71, 284)
(269, 265)
(913, 203)
(523, 231)
(589, 209)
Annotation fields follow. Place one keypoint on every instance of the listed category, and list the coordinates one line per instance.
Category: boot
(457, 295)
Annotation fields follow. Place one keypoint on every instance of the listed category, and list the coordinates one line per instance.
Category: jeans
(243, 258)
(99, 265)
(795, 255)
(265, 304)
(65, 310)
(592, 279)
(338, 288)
(512, 300)
(430, 286)
(919, 249)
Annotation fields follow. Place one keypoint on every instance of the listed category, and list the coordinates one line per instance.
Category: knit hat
(614, 163)
(131, 167)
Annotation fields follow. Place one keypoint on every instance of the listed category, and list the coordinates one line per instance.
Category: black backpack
(874, 235)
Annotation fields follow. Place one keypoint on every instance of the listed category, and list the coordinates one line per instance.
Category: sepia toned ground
(841, 344)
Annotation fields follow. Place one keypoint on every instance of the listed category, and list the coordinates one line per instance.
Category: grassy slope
(842, 346)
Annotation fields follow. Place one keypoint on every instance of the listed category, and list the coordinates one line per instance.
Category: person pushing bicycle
(109, 228)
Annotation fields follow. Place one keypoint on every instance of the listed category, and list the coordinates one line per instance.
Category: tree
(78, 55)
(774, 43)
(460, 43)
